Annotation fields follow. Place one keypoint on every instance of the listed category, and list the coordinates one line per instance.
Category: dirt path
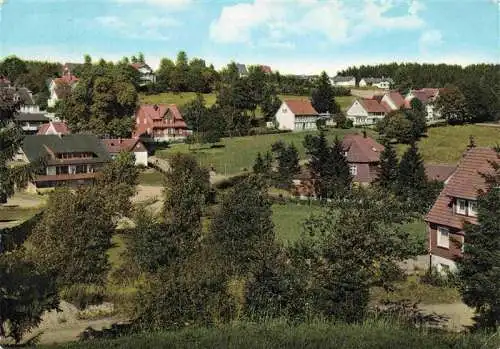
(459, 315)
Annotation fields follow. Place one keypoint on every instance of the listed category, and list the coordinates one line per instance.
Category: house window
(473, 208)
(353, 169)
(461, 206)
(443, 237)
(283, 110)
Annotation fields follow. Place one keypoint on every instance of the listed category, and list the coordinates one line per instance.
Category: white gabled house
(297, 115)
(364, 112)
(147, 75)
(428, 97)
(382, 83)
(343, 81)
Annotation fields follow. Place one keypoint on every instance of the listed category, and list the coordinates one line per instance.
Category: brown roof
(121, 144)
(439, 172)
(59, 127)
(300, 107)
(396, 97)
(465, 183)
(372, 106)
(361, 149)
(266, 68)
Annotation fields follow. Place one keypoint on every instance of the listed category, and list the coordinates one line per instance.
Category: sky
(292, 36)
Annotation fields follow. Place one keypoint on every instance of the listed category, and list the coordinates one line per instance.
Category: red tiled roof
(117, 145)
(59, 126)
(465, 183)
(300, 107)
(396, 97)
(372, 106)
(67, 79)
(266, 68)
(361, 149)
(439, 172)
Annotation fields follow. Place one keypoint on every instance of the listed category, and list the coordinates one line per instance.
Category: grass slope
(183, 98)
(446, 144)
(289, 218)
(319, 335)
(238, 154)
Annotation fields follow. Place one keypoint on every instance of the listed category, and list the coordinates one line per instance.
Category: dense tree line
(478, 84)
(104, 100)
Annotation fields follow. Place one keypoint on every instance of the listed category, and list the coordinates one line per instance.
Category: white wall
(382, 84)
(357, 109)
(439, 262)
(349, 83)
(141, 158)
(285, 118)
(389, 101)
(362, 83)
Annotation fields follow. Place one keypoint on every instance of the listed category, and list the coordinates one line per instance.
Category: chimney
(155, 107)
(364, 133)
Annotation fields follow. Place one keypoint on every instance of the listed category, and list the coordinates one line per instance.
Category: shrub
(83, 295)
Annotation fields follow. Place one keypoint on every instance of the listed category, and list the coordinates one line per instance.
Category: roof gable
(300, 107)
(361, 149)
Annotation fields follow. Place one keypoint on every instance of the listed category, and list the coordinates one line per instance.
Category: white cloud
(338, 21)
(430, 38)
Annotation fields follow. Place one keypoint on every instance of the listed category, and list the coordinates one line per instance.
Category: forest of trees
(475, 87)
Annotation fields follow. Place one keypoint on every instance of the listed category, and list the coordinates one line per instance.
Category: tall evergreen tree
(323, 98)
(340, 177)
(388, 175)
(287, 158)
(417, 116)
(412, 183)
(479, 269)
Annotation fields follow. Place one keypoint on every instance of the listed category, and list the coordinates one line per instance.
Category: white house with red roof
(159, 123)
(366, 111)
(131, 145)
(54, 128)
(428, 97)
(457, 205)
(297, 115)
(60, 88)
(146, 72)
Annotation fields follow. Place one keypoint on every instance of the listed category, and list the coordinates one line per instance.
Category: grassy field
(374, 334)
(151, 177)
(238, 154)
(8, 213)
(185, 97)
(447, 144)
(289, 218)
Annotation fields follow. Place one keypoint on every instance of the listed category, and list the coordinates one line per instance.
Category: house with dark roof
(393, 100)
(343, 81)
(266, 69)
(242, 69)
(363, 155)
(30, 122)
(129, 145)
(428, 97)
(147, 74)
(383, 83)
(296, 115)
(24, 96)
(457, 205)
(159, 123)
(70, 160)
(54, 128)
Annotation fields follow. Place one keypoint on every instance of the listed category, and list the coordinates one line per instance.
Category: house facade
(382, 83)
(365, 112)
(455, 206)
(242, 69)
(147, 75)
(60, 88)
(131, 145)
(343, 81)
(363, 155)
(70, 160)
(297, 115)
(428, 97)
(30, 122)
(159, 123)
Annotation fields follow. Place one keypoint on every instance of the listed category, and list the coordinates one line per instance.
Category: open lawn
(446, 144)
(238, 154)
(289, 218)
(183, 98)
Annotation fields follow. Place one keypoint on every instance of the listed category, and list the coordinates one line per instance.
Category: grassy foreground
(320, 335)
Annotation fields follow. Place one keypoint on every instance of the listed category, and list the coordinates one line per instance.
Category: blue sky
(293, 36)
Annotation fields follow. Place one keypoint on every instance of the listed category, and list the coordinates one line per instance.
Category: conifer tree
(258, 166)
(412, 181)
(287, 162)
(479, 269)
(341, 177)
(323, 98)
(388, 174)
